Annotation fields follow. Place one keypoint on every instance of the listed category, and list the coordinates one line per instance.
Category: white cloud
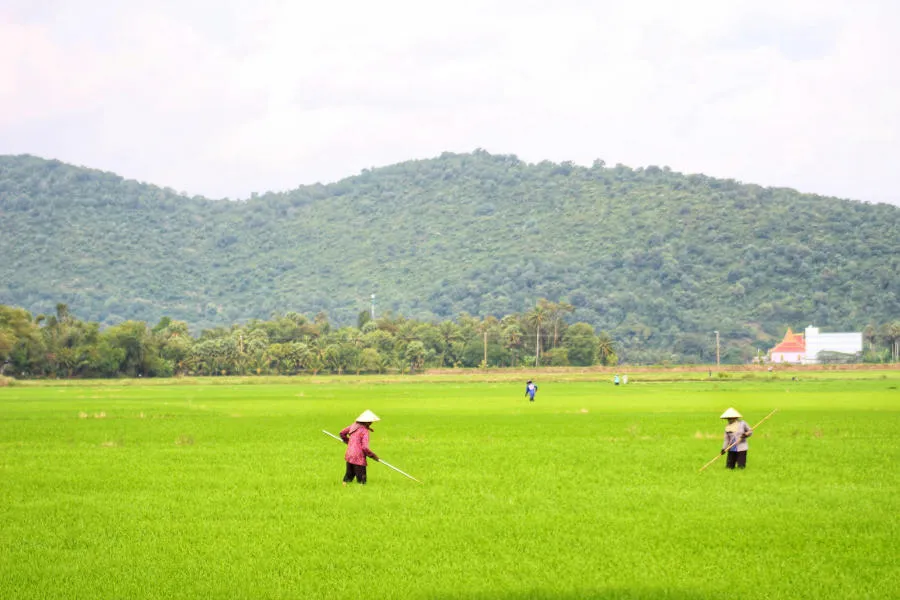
(231, 97)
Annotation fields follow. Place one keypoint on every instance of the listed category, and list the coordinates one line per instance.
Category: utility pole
(717, 350)
(485, 347)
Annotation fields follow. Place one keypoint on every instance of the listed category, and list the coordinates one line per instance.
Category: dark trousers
(357, 471)
(736, 458)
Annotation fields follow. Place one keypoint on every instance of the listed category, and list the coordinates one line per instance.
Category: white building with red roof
(792, 349)
(804, 348)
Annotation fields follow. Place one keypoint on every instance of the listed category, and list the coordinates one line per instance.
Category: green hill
(657, 258)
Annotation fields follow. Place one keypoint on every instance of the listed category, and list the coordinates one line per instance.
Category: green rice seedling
(225, 490)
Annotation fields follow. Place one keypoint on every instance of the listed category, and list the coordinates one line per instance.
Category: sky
(226, 98)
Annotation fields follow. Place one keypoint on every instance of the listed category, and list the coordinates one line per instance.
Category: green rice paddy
(221, 489)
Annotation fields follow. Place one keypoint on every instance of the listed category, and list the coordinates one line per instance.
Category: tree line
(881, 344)
(60, 345)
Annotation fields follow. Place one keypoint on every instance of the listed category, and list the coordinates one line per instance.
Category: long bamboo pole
(387, 464)
(738, 440)
(378, 460)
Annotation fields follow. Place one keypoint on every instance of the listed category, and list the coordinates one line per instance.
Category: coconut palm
(537, 317)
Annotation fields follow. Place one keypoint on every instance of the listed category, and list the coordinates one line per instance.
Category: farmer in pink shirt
(356, 436)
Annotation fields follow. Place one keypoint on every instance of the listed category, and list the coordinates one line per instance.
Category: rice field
(224, 489)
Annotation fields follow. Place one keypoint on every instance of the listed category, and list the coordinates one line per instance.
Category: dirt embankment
(780, 368)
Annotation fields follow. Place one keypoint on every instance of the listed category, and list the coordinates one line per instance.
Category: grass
(218, 490)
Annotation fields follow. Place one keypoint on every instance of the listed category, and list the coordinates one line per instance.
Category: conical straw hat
(367, 417)
(731, 414)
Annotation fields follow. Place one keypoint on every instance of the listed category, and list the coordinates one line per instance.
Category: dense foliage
(658, 259)
(61, 345)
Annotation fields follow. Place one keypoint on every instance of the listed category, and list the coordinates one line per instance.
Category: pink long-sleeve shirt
(356, 437)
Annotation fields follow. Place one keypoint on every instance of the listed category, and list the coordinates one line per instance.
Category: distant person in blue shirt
(616, 380)
(530, 390)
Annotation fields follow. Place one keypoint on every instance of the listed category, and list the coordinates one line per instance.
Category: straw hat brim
(730, 414)
(367, 417)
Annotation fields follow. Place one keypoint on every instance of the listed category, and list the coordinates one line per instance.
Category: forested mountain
(657, 258)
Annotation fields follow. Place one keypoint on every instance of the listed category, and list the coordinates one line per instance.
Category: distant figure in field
(736, 433)
(616, 379)
(624, 379)
(530, 390)
(356, 436)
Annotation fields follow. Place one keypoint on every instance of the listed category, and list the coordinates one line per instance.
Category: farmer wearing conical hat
(736, 433)
(356, 436)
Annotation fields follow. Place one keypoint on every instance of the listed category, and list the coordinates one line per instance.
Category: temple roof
(792, 342)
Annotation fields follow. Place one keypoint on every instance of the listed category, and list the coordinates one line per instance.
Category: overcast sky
(227, 97)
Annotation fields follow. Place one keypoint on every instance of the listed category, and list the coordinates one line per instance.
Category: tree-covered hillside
(657, 258)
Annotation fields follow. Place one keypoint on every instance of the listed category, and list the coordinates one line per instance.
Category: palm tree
(316, 356)
(536, 317)
(259, 361)
(449, 332)
(869, 335)
(415, 355)
(512, 337)
(407, 333)
(890, 333)
(605, 348)
(558, 310)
